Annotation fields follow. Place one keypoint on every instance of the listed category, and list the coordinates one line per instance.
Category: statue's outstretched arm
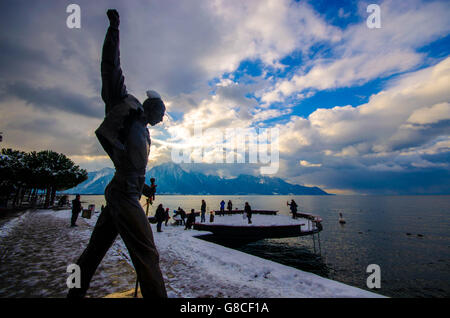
(113, 87)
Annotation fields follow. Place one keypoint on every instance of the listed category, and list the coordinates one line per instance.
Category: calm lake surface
(407, 236)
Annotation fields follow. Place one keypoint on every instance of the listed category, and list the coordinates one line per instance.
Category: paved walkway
(36, 250)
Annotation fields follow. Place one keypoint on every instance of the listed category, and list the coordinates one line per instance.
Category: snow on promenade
(260, 220)
(36, 248)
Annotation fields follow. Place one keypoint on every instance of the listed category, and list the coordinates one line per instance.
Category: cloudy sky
(358, 110)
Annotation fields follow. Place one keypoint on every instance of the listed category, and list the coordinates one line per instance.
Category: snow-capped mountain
(173, 179)
(96, 182)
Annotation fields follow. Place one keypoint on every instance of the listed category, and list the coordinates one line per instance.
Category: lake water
(407, 236)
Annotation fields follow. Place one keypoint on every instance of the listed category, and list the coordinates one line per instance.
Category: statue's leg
(102, 238)
(136, 232)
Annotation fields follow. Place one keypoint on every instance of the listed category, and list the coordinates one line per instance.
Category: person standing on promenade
(203, 211)
(293, 207)
(248, 211)
(76, 209)
(190, 219)
(222, 207)
(230, 206)
(166, 216)
(160, 216)
(124, 136)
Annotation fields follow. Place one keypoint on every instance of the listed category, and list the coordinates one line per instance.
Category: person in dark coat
(152, 193)
(190, 220)
(203, 211)
(248, 211)
(230, 206)
(76, 209)
(160, 216)
(124, 136)
(293, 207)
(166, 216)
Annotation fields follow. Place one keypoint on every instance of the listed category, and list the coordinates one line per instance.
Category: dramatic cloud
(55, 99)
(384, 135)
(252, 64)
(364, 54)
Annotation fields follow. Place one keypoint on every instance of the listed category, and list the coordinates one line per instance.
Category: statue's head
(154, 108)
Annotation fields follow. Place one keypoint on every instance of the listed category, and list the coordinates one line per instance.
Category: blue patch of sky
(439, 158)
(249, 67)
(298, 59)
(437, 49)
(212, 84)
(242, 75)
(274, 121)
(353, 96)
(290, 62)
(338, 13)
(176, 115)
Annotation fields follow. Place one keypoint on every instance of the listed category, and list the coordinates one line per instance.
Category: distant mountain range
(173, 179)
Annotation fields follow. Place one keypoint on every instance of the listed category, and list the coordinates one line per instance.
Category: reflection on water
(285, 252)
(407, 236)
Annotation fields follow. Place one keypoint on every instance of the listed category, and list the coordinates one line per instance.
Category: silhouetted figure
(230, 206)
(152, 193)
(211, 216)
(76, 209)
(190, 219)
(160, 216)
(341, 219)
(203, 212)
(166, 216)
(293, 207)
(248, 211)
(124, 136)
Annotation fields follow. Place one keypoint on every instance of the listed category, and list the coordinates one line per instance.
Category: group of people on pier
(179, 215)
(182, 218)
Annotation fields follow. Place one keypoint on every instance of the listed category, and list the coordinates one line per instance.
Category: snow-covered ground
(191, 267)
(258, 220)
(37, 247)
(8, 227)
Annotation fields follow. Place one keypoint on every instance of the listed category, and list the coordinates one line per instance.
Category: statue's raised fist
(113, 16)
